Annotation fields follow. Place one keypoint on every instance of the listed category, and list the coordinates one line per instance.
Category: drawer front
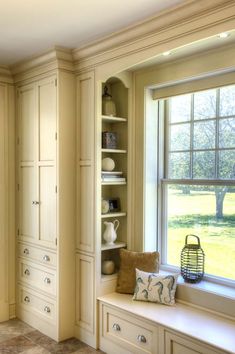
(37, 277)
(177, 344)
(37, 304)
(37, 254)
(132, 333)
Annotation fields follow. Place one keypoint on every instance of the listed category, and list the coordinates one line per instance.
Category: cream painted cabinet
(46, 203)
(179, 344)
(37, 161)
(91, 249)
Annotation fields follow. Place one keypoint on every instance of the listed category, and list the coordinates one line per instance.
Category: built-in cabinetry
(114, 183)
(128, 326)
(91, 249)
(46, 202)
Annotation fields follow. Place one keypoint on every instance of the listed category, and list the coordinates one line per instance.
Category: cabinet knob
(27, 272)
(116, 327)
(47, 280)
(26, 251)
(35, 202)
(26, 299)
(141, 338)
(47, 309)
(46, 258)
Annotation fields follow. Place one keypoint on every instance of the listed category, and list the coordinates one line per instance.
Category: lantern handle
(198, 239)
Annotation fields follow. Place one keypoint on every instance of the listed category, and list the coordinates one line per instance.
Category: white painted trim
(5, 74)
(195, 19)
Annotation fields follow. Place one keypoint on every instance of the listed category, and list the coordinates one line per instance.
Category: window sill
(206, 294)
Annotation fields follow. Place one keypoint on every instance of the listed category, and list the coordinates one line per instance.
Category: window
(198, 177)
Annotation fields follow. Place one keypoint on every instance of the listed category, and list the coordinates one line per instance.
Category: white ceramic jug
(110, 233)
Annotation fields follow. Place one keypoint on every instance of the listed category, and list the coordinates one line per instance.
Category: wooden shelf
(115, 151)
(105, 247)
(113, 215)
(108, 277)
(111, 183)
(110, 119)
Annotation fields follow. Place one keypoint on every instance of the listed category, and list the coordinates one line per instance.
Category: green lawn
(195, 214)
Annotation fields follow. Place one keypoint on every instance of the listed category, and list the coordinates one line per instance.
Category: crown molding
(5, 74)
(189, 18)
(51, 60)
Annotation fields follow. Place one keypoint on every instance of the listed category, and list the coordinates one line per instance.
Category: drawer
(37, 304)
(38, 277)
(132, 333)
(37, 254)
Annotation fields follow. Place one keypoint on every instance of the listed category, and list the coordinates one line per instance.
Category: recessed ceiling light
(166, 54)
(224, 35)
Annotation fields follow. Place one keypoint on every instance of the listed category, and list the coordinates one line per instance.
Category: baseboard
(12, 311)
(31, 318)
(86, 337)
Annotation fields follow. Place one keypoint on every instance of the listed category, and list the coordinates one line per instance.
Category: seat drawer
(37, 254)
(33, 302)
(38, 277)
(133, 334)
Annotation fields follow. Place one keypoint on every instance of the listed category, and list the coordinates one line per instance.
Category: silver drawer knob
(26, 251)
(35, 202)
(47, 309)
(27, 272)
(116, 327)
(47, 280)
(141, 338)
(26, 299)
(46, 258)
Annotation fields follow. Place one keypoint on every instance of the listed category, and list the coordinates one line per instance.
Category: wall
(7, 201)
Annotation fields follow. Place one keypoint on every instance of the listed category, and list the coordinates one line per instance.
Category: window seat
(209, 329)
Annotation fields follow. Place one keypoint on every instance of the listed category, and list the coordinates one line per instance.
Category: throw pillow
(129, 261)
(155, 288)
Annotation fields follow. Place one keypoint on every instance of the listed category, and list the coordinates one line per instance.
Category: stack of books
(113, 176)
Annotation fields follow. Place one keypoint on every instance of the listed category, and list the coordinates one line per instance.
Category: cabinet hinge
(56, 189)
(56, 241)
(56, 82)
(56, 136)
(18, 232)
(18, 140)
(18, 187)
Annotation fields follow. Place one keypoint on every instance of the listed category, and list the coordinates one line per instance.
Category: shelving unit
(105, 247)
(116, 189)
(113, 215)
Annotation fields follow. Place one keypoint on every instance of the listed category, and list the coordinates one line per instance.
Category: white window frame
(162, 181)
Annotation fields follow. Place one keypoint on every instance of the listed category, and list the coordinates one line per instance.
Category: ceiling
(29, 27)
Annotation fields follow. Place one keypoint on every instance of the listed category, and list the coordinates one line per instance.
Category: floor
(18, 337)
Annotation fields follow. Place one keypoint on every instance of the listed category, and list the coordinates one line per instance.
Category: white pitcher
(110, 233)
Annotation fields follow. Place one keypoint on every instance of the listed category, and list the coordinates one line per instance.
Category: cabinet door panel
(28, 211)
(86, 116)
(86, 210)
(27, 123)
(47, 120)
(47, 198)
(85, 292)
(182, 345)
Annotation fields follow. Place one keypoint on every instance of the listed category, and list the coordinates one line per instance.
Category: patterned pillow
(155, 288)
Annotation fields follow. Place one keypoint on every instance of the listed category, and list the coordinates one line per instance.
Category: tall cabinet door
(37, 162)
(47, 135)
(27, 142)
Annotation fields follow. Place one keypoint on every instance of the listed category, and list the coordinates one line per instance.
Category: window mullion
(191, 135)
(217, 134)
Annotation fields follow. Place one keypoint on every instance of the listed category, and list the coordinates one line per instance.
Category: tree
(194, 139)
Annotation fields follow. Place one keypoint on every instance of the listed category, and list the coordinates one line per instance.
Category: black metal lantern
(192, 261)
